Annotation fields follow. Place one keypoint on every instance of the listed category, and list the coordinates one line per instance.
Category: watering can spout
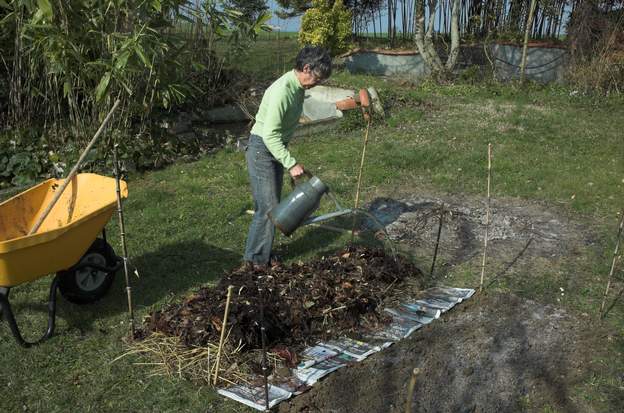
(305, 198)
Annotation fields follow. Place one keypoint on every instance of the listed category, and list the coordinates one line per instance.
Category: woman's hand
(296, 171)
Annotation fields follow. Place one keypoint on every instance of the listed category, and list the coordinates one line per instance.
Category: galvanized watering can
(305, 198)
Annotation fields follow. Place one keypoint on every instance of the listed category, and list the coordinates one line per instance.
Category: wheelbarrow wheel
(90, 279)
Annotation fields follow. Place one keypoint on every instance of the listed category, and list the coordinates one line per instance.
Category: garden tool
(73, 172)
(366, 100)
(365, 106)
(295, 210)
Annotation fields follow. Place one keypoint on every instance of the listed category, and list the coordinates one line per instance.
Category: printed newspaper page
(311, 375)
(255, 396)
(354, 348)
(313, 355)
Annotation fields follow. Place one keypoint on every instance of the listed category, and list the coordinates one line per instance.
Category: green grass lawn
(186, 225)
(268, 58)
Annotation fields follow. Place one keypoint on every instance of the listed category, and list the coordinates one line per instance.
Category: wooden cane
(73, 172)
(410, 390)
(613, 263)
(223, 328)
(487, 217)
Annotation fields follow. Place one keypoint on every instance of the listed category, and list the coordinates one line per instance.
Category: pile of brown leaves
(301, 302)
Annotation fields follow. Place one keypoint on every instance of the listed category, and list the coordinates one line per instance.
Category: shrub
(596, 39)
(327, 24)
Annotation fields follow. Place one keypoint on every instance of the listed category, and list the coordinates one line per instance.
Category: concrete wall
(408, 65)
(544, 64)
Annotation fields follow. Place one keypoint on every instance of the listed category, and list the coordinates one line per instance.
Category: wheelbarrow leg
(4, 291)
(5, 310)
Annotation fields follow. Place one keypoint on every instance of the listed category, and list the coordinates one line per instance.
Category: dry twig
(487, 217)
(613, 264)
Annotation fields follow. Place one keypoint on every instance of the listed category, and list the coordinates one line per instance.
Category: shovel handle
(74, 171)
(364, 98)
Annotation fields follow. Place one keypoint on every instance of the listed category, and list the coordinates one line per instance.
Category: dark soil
(516, 226)
(495, 352)
(492, 353)
(302, 302)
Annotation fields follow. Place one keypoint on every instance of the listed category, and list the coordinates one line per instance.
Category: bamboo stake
(613, 264)
(615, 300)
(359, 182)
(487, 217)
(223, 328)
(437, 244)
(122, 234)
(264, 350)
(410, 390)
(59, 192)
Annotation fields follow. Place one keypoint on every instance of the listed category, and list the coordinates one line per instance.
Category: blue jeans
(266, 175)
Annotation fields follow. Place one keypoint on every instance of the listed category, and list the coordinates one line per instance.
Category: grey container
(304, 199)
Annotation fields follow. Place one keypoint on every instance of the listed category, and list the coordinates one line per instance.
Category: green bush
(25, 159)
(69, 61)
(327, 24)
(471, 74)
(28, 156)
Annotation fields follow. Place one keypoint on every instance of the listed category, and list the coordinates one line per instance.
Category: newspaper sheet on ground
(316, 354)
(311, 375)
(354, 348)
(422, 310)
(253, 396)
(436, 303)
(463, 293)
(324, 358)
(291, 384)
(399, 329)
(451, 295)
(414, 316)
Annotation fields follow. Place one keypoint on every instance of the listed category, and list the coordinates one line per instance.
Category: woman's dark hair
(318, 58)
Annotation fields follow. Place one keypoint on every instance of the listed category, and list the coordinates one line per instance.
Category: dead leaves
(301, 302)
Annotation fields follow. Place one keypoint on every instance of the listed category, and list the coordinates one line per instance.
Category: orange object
(346, 104)
(364, 98)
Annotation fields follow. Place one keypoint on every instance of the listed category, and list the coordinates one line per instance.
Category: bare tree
(423, 36)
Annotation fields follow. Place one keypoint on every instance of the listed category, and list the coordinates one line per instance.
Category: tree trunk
(424, 42)
(404, 18)
(436, 63)
(526, 40)
(390, 22)
(454, 53)
(424, 39)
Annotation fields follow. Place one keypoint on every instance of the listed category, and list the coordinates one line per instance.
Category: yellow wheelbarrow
(66, 243)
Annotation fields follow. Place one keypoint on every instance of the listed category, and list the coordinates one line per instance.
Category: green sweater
(278, 116)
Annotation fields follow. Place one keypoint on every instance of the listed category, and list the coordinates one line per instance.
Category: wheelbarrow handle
(7, 313)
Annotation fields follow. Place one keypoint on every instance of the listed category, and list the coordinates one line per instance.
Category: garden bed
(302, 302)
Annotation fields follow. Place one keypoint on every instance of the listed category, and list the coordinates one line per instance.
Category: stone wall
(386, 64)
(544, 64)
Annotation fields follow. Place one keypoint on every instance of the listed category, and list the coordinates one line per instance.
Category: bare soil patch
(492, 353)
(518, 229)
(496, 352)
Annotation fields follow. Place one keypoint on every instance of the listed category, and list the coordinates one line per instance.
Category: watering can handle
(293, 181)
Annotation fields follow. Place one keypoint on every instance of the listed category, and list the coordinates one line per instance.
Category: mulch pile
(302, 302)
